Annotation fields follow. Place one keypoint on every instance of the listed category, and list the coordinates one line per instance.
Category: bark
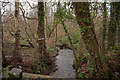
(118, 23)
(17, 55)
(88, 35)
(46, 20)
(4, 61)
(104, 26)
(2, 56)
(41, 34)
(54, 26)
(56, 31)
(112, 30)
(43, 55)
(56, 37)
(118, 39)
(28, 34)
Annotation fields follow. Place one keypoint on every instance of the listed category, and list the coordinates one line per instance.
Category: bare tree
(2, 56)
(17, 55)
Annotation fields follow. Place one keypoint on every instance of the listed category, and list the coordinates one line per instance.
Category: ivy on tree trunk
(43, 54)
(114, 22)
(85, 22)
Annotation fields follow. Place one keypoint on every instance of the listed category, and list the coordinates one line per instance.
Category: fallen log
(23, 45)
(17, 73)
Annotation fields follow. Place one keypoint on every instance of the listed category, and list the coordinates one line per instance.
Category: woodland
(62, 39)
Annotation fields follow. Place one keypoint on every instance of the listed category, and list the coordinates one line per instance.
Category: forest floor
(112, 60)
(29, 60)
(29, 55)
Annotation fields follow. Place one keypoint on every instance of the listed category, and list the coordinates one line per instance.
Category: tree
(61, 13)
(43, 55)
(41, 33)
(118, 21)
(104, 25)
(4, 62)
(84, 20)
(114, 22)
(17, 55)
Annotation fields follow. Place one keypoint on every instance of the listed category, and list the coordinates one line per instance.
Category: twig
(53, 29)
(31, 6)
(12, 34)
(23, 12)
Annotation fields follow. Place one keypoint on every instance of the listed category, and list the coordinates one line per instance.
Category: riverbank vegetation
(34, 32)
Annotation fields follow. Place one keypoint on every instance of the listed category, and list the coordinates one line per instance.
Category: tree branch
(31, 6)
(23, 12)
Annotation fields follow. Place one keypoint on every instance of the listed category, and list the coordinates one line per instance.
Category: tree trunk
(3, 60)
(104, 26)
(118, 23)
(88, 35)
(46, 20)
(112, 30)
(118, 39)
(17, 55)
(41, 33)
(44, 56)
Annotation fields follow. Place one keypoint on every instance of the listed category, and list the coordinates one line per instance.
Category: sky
(11, 5)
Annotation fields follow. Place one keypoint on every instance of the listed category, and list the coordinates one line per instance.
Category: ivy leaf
(80, 75)
(81, 9)
(14, 73)
(78, 70)
(95, 55)
(85, 20)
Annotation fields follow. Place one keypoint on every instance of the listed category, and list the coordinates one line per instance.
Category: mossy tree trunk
(41, 33)
(118, 23)
(104, 26)
(114, 22)
(84, 20)
(62, 20)
(43, 54)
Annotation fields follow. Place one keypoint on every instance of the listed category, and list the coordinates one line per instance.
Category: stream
(64, 62)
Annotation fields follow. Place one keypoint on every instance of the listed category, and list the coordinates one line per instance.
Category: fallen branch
(23, 45)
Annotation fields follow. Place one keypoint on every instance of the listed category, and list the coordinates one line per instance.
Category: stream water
(64, 62)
